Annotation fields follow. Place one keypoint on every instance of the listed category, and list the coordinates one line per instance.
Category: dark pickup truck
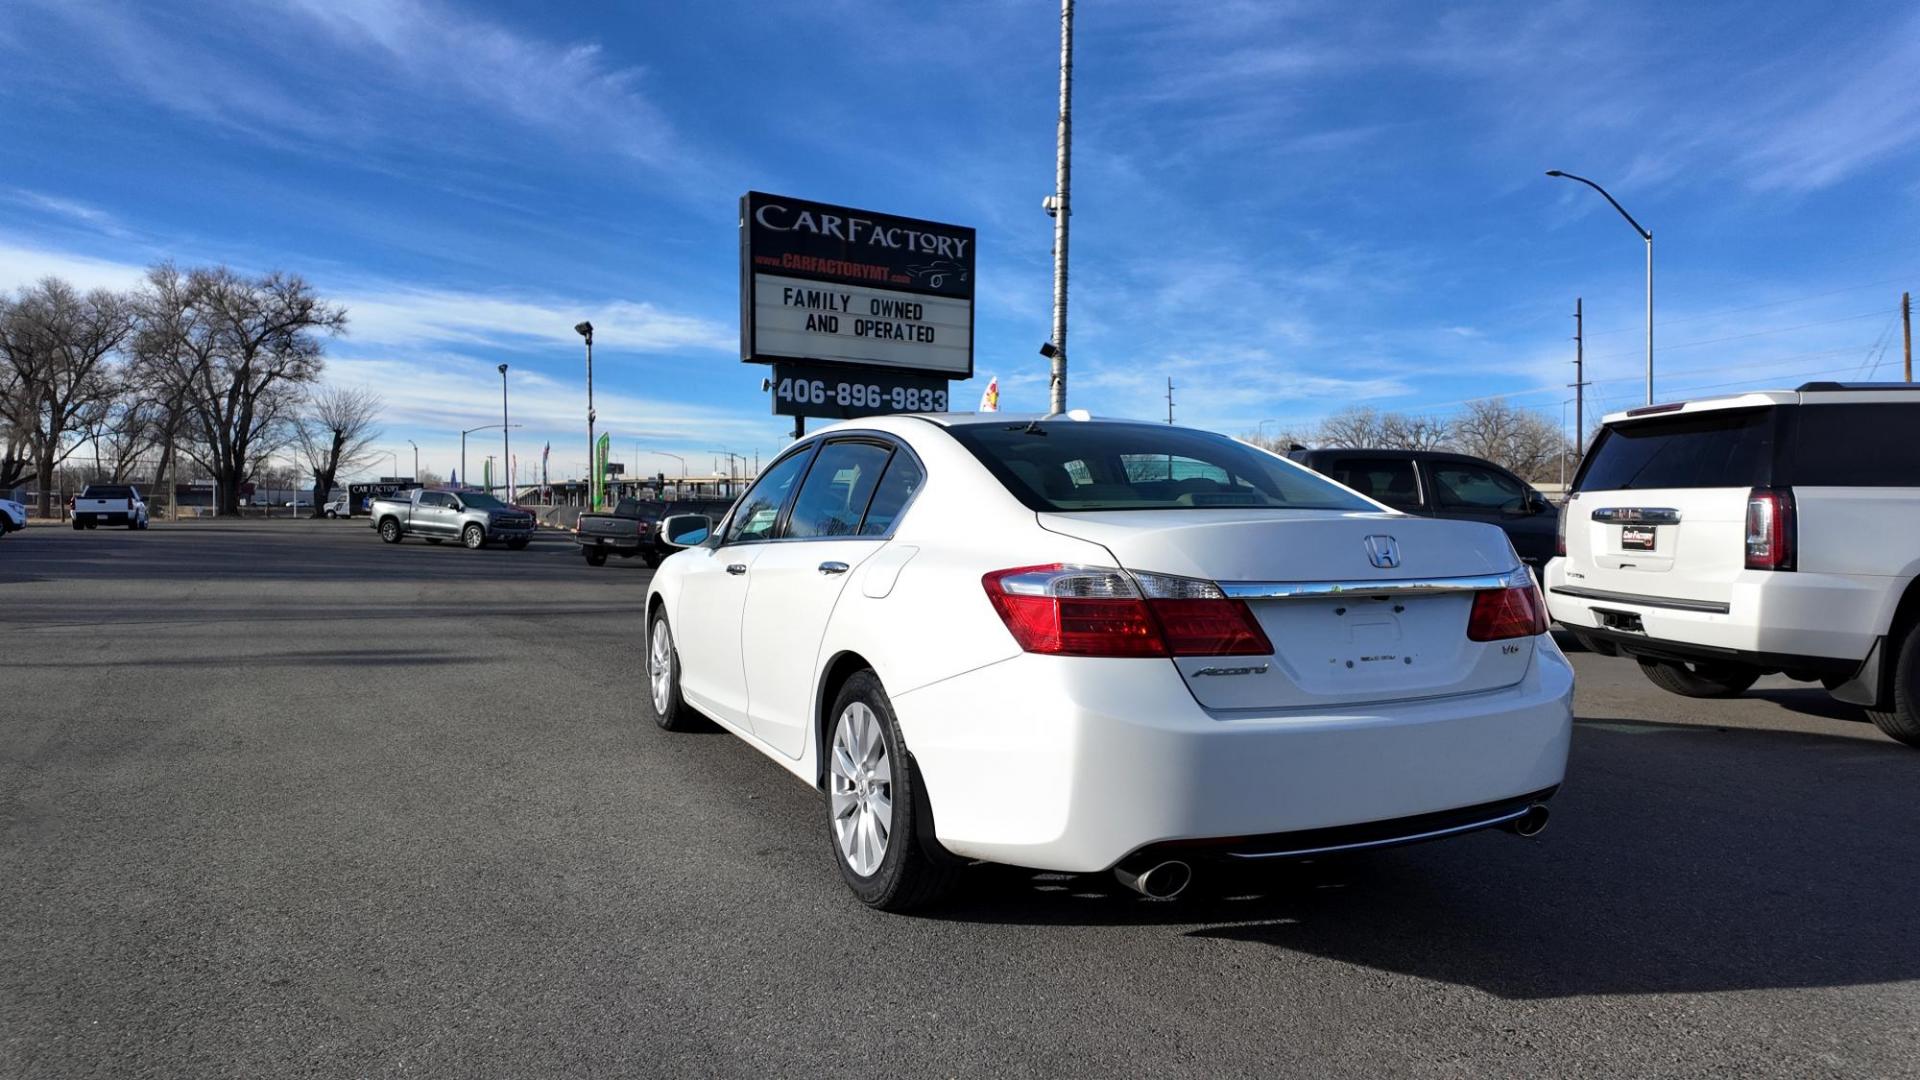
(1434, 483)
(632, 528)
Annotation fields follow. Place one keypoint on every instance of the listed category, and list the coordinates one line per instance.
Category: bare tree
(1355, 427)
(1404, 431)
(241, 352)
(59, 347)
(335, 433)
(1281, 441)
(1525, 441)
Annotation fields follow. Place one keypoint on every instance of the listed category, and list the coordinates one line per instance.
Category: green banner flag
(600, 452)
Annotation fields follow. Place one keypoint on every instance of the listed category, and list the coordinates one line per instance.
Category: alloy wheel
(660, 666)
(860, 784)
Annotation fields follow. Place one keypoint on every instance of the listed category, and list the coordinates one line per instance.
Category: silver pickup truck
(473, 518)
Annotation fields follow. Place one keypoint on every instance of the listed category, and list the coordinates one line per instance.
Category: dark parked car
(632, 528)
(1433, 483)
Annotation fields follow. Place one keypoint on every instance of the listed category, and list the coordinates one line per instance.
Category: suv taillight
(1560, 529)
(1513, 612)
(1096, 611)
(1771, 530)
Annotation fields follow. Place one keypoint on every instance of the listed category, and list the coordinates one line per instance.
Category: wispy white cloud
(1833, 128)
(327, 75)
(73, 210)
(400, 315)
(23, 265)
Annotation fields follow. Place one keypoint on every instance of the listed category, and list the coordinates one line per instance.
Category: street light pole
(506, 434)
(585, 330)
(1644, 235)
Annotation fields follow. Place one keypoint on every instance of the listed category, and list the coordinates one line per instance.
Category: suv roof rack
(1828, 385)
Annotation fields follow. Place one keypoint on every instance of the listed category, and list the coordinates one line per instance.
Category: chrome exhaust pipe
(1531, 823)
(1161, 880)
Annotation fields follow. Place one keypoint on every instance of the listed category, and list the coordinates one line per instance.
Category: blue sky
(1287, 207)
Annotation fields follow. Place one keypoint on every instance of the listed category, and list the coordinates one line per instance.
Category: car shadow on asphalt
(1681, 858)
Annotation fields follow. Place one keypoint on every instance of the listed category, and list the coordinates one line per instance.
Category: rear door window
(1730, 448)
(1387, 480)
(1463, 486)
(834, 497)
(436, 500)
(1857, 445)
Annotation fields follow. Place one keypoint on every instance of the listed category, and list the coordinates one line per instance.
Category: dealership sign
(838, 287)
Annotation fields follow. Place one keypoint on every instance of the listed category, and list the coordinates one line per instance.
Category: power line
(1754, 334)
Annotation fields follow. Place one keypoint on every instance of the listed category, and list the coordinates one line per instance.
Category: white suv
(1720, 540)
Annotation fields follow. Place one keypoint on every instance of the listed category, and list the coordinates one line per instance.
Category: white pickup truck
(109, 504)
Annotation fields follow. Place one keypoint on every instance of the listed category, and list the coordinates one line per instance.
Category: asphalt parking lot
(277, 799)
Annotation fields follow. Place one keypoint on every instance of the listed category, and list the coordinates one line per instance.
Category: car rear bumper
(99, 518)
(1770, 619)
(1072, 764)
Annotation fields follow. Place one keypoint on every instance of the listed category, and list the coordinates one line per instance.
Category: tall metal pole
(1060, 206)
(463, 460)
(506, 435)
(1649, 318)
(592, 502)
(1645, 234)
(1906, 328)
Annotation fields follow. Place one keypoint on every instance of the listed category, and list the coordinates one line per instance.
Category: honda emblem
(1383, 551)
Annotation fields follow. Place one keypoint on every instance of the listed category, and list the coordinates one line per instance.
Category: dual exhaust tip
(1164, 879)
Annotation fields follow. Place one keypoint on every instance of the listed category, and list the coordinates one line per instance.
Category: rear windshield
(1063, 466)
(1721, 449)
(107, 491)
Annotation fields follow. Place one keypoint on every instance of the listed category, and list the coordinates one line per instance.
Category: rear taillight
(1771, 531)
(1512, 612)
(1560, 529)
(1096, 611)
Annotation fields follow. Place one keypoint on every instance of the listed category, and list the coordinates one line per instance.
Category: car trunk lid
(1338, 594)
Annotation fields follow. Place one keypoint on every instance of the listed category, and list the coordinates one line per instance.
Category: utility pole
(1906, 328)
(1058, 205)
(1169, 399)
(1579, 381)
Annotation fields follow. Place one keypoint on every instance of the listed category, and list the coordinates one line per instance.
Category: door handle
(833, 568)
(736, 569)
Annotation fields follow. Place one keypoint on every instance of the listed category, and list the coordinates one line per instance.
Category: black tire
(1699, 680)
(473, 538)
(1901, 718)
(907, 876)
(133, 524)
(595, 557)
(331, 515)
(390, 530)
(673, 713)
(652, 560)
(77, 526)
(517, 545)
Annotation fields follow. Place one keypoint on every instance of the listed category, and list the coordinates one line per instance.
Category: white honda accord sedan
(1085, 645)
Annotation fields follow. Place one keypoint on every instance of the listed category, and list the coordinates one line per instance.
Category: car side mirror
(685, 530)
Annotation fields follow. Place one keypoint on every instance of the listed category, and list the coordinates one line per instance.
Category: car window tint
(1062, 466)
(437, 500)
(1389, 480)
(835, 493)
(1460, 486)
(760, 507)
(902, 479)
(1723, 448)
(1857, 445)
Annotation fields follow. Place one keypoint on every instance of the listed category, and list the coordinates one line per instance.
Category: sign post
(861, 313)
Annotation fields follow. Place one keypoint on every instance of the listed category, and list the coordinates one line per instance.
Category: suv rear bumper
(1818, 623)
